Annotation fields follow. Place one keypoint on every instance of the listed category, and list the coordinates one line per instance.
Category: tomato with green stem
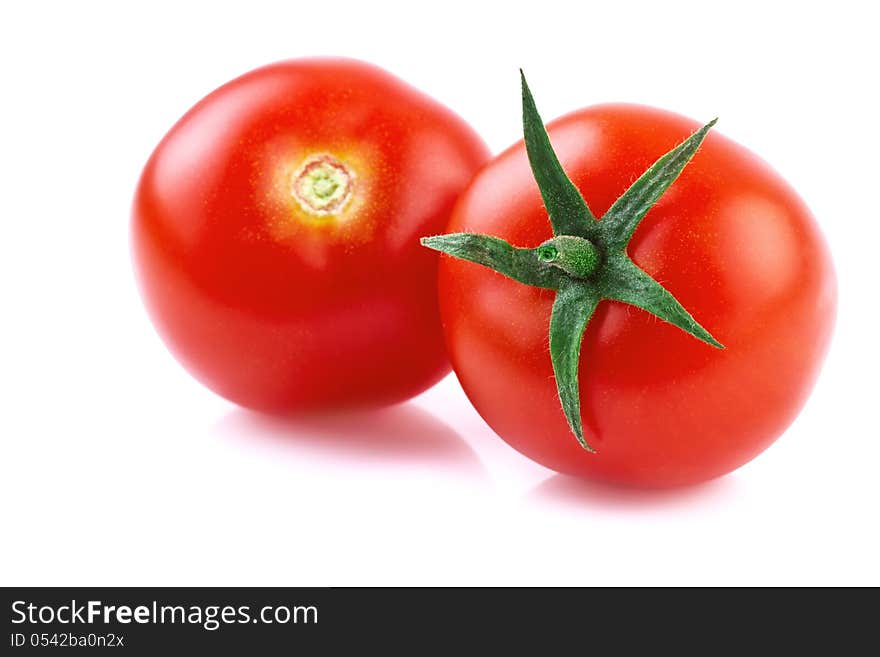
(585, 314)
(275, 235)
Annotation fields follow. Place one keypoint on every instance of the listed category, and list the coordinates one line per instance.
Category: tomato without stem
(729, 239)
(275, 235)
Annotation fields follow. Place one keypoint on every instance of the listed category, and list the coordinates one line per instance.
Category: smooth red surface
(274, 308)
(730, 239)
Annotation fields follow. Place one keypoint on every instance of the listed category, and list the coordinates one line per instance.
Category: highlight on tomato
(275, 235)
(643, 301)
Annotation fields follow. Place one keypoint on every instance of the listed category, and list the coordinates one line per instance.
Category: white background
(118, 469)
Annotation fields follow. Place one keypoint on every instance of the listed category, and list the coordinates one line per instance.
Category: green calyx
(586, 260)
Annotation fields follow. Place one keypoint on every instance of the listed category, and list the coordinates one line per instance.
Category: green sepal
(572, 309)
(521, 265)
(623, 217)
(569, 213)
(586, 261)
(620, 279)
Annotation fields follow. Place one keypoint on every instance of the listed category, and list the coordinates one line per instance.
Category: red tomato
(730, 240)
(275, 232)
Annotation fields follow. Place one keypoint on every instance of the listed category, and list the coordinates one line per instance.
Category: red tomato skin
(274, 308)
(730, 239)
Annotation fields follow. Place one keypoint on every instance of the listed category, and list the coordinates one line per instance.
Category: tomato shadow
(574, 492)
(405, 435)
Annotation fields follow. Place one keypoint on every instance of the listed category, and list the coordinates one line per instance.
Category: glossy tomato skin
(730, 239)
(275, 306)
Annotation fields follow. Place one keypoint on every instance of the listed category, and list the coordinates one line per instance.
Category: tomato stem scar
(322, 185)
